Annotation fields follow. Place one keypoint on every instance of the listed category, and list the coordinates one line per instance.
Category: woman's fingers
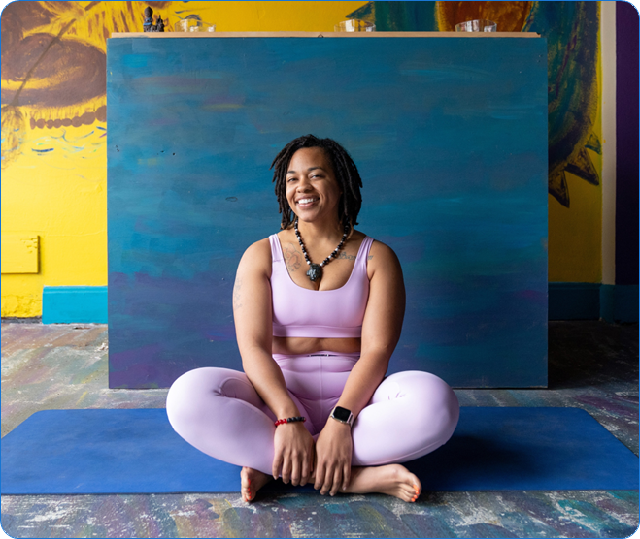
(330, 478)
(277, 464)
(319, 476)
(286, 470)
(305, 472)
(327, 483)
(346, 476)
(294, 451)
(337, 481)
(296, 465)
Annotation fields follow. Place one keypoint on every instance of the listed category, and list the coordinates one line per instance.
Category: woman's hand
(334, 450)
(293, 453)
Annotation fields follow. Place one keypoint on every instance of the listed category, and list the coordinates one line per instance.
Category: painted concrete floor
(592, 365)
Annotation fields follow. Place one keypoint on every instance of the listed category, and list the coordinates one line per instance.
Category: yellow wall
(62, 198)
(268, 16)
(60, 195)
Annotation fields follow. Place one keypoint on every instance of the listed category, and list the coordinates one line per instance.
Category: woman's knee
(196, 391)
(183, 397)
(429, 400)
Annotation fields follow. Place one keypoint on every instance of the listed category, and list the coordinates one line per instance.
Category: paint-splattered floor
(592, 365)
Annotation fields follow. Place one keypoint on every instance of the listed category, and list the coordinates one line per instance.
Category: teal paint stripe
(574, 301)
(619, 303)
(74, 305)
(567, 301)
(592, 301)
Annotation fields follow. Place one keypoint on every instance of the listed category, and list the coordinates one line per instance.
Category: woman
(318, 310)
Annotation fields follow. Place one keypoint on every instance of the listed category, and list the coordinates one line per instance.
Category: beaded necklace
(315, 270)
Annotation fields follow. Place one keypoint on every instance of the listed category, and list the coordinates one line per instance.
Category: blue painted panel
(74, 305)
(450, 138)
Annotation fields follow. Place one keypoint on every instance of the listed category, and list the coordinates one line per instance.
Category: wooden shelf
(366, 35)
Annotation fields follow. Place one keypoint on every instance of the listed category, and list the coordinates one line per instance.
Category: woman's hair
(344, 170)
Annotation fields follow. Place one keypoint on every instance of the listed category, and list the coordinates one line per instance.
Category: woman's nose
(303, 185)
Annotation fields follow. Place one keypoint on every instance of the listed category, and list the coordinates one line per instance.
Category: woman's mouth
(306, 202)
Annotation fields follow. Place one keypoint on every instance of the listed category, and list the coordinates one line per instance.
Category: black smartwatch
(342, 415)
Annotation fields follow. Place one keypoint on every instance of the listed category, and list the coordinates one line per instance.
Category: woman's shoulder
(377, 246)
(259, 246)
(258, 256)
(380, 257)
(285, 235)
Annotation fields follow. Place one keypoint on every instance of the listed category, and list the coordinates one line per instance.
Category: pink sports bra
(300, 312)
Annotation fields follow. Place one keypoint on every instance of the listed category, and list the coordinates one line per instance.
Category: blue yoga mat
(136, 451)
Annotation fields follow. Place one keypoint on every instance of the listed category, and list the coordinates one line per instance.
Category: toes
(417, 490)
(417, 487)
(245, 487)
(411, 489)
(409, 494)
(247, 494)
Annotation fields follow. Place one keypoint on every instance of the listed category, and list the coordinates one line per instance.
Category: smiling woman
(322, 159)
(311, 184)
(312, 192)
(314, 399)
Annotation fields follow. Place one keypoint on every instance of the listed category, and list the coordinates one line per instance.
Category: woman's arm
(252, 311)
(381, 329)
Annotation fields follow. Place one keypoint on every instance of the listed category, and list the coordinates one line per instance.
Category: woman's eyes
(293, 178)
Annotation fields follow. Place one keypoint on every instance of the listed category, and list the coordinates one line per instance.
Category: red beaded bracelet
(290, 420)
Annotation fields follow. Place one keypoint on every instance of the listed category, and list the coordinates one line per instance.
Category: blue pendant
(315, 272)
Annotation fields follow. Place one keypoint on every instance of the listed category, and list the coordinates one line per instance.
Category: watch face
(341, 413)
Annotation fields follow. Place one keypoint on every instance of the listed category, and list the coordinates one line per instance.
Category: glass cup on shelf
(476, 25)
(192, 23)
(206, 27)
(354, 25)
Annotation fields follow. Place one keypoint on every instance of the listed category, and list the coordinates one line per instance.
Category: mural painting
(54, 67)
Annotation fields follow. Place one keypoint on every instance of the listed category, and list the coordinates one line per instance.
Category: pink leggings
(218, 412)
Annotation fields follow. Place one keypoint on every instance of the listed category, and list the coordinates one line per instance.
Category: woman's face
(312, 191)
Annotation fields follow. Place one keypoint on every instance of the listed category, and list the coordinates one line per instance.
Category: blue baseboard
(619, 303)
(74, 305)
(592, 301)
(574, 301)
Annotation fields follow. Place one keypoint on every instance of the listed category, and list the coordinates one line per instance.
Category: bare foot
(392, 479)
(251, 482)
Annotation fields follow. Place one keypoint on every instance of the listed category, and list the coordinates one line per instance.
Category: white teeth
(307, 200)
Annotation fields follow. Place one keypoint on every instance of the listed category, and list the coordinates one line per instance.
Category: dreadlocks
(344, 170)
